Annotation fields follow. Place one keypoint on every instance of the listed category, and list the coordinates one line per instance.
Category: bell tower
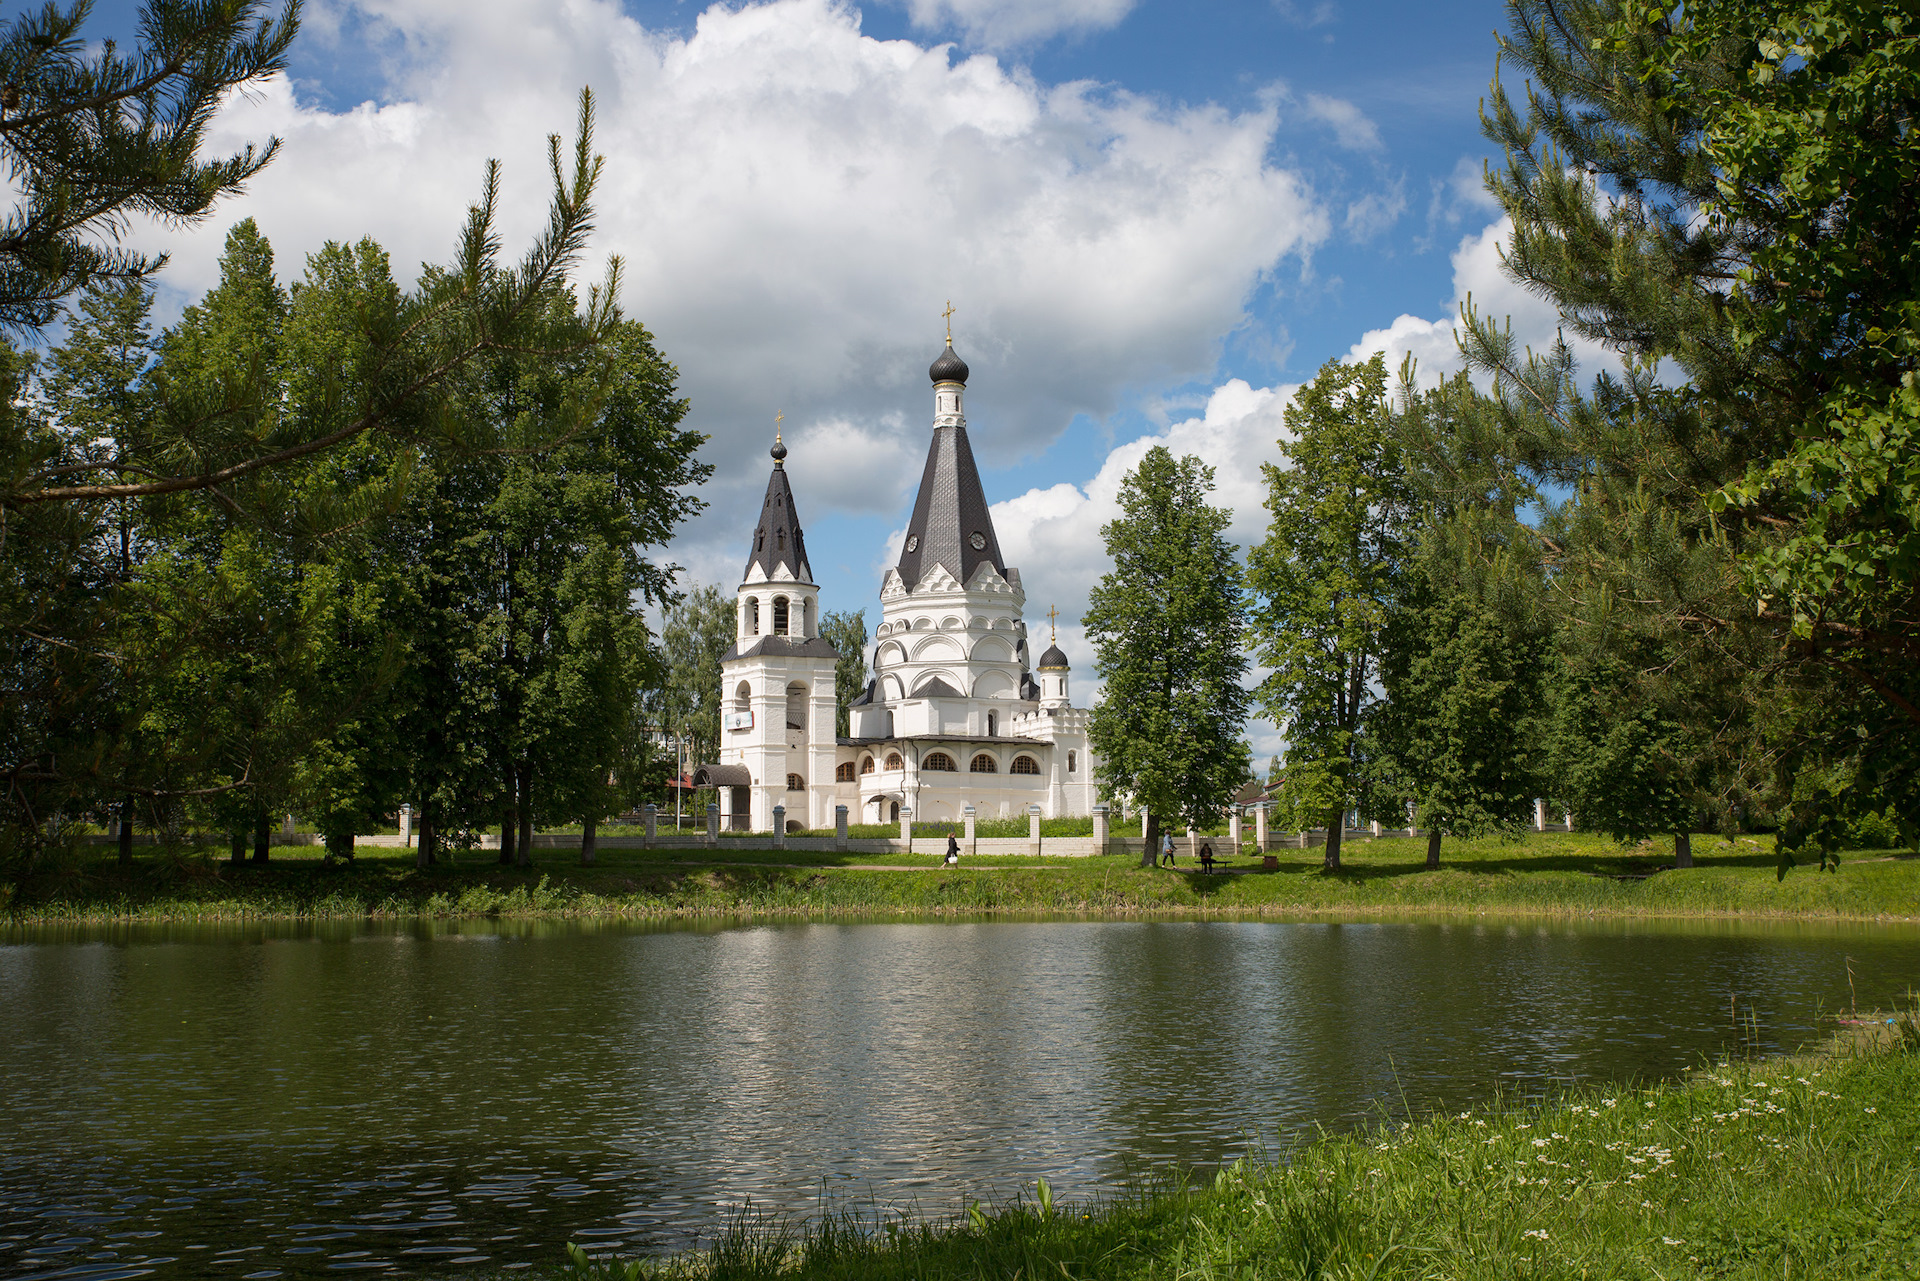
(777, 679)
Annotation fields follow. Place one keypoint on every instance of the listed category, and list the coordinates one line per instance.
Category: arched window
(779, 615)
(1069, 762)
(993, 723)
(894, 761)
(866, 766)
(742, 697)
(753, 615)
(939, 761)
(1024, 765)
(983, 764)
(780, 540)
(843, 773)
(895, 817)
(795, 783)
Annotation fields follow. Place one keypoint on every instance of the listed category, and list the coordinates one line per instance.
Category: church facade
(956, 712)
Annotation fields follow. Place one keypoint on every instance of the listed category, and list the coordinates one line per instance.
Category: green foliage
(94, 137)
(1166, 625)
(1723, 189)
(699, 630)
(848, 634)
(1325, 582)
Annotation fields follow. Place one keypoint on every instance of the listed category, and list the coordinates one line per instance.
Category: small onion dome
(779, 451)
(949, 368)
(1053, 660)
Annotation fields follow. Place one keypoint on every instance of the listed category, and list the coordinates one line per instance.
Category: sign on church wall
(738, 720)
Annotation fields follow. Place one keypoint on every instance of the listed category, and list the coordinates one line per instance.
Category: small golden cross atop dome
(948, 314)
(1053, 625)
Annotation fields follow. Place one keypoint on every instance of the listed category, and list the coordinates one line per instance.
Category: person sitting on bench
(1206, 856)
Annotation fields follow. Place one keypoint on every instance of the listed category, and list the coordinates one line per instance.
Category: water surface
(299, 1100)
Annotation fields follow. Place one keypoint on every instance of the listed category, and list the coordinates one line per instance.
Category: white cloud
(1479, 274)
(1350, 125)
(1002, 24)
(795, 201)
(1053, 534)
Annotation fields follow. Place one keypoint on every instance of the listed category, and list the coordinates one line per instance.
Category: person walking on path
(1166, 847)
(953, 850)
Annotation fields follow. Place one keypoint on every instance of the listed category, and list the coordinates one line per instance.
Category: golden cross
(777, 420)
(1053, 624)
(948, 313)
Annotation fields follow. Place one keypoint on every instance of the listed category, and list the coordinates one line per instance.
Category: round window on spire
(913, 544)
(979, 541)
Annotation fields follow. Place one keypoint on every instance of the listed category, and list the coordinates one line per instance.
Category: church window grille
(779, 615)
(940, 762)
(753, 615)
(866, 766)
(894, 761)
(1024, 765)
(1069, 762)
(993, 724)
(983, 764)
(843, 773)
(795, 783)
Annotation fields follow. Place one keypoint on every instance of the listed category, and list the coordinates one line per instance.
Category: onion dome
(779, 450)
(1053, 660)
(949, 368)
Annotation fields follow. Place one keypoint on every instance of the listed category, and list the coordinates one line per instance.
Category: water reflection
(287, 1100)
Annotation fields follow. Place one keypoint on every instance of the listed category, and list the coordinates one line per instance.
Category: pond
(291, 1101)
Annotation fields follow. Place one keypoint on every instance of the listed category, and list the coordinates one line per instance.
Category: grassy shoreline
(1552, 875)
(1801, 1167)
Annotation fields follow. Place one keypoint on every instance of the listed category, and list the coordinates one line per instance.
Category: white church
(955, 714)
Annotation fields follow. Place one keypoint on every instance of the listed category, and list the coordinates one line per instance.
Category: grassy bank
(1555, 874)
(1781, 1168)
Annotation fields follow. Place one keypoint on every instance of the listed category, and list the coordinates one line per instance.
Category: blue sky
(1154, 220)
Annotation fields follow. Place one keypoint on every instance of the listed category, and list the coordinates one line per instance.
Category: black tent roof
(777, 538)
(951, 524)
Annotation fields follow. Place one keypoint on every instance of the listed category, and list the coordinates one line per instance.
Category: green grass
(1777, 1168)
(1550, 874)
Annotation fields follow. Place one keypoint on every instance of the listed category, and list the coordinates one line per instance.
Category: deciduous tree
(1166, 624)
(1326, 581)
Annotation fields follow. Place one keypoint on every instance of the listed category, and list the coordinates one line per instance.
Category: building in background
(956, 712)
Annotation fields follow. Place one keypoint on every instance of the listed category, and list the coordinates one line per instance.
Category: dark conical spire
(951, 523)
(777, 539)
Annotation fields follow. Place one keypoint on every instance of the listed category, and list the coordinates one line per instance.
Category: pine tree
(1719, 192)
(1166, 625)
(1325, 582)
(94, 137)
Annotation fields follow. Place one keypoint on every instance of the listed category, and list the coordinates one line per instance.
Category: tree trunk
(1682, 850)
(126, 832)
(525, 852)
(262, 835)
(423, 856)
(1335, 826)
(588, 830)
(509, 825)
(1433, 851)
(239, 847)
(1150, 855)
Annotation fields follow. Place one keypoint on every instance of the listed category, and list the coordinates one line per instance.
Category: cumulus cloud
(1479, 275)
(1053, 534)
(1002, 24)
(795, 201)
